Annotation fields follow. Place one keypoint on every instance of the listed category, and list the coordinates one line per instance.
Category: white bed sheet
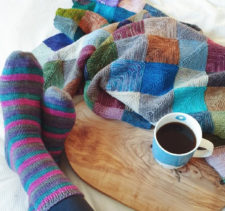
(25, 23)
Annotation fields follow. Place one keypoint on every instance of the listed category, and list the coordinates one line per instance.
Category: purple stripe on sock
(53, 121)
(25, 110)
(13, 132)
(20, 152)
(54, 101)
(30, 170)
(19, 90)
(31, 161)
(41, 179)
(16, 87)
(51, 183)
(21, 62)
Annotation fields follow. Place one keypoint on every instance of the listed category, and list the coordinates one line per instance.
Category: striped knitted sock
(21, 87)
(58, 117)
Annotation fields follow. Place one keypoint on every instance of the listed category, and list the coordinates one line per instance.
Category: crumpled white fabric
(25, 24)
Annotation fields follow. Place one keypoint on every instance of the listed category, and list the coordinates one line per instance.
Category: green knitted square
(103, 56)
(218, 118)
(53, 74)
(74, 14)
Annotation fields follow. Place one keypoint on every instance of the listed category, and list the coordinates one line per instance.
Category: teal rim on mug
(171, 160)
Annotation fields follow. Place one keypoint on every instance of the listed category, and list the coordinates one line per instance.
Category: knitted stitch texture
(21, 87)
(140, 67)
(217, 161)
(58, 117)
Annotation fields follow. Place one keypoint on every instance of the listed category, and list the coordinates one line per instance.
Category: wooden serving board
(115, 158)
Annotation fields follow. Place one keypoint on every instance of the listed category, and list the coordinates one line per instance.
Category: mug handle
(205, 152)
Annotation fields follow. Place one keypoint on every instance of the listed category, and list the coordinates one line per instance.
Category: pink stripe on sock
(53, 135)
(22, 77)
(21, 101)
(22, 142)
(32, 160)
(52, 195)
(59, 113)
(22, 122)
(43, 178)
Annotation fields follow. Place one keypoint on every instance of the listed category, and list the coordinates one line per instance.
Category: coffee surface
(176, 138)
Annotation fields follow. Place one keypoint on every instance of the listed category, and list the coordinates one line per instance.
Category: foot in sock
(58, 117)
(21, 88)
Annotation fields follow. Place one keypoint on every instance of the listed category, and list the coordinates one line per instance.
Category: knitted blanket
(135, 64)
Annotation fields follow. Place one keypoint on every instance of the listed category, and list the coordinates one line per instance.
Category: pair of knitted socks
(36, 126)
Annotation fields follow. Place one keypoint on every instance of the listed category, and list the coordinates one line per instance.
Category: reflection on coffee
(176, 138)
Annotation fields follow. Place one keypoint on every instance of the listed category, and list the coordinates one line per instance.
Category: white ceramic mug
(172, 160)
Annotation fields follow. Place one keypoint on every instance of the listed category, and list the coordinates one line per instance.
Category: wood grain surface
(115, 158)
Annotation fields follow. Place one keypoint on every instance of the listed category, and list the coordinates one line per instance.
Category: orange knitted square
(91, 21)
(162, 50)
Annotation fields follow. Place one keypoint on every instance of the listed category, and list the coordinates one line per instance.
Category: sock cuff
(57, 196)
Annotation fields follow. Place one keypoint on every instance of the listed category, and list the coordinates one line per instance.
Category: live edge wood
(116, 158)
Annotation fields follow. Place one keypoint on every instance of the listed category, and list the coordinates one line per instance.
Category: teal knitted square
(105, 11)
(66, 26)
(90, 6)
(189, 100)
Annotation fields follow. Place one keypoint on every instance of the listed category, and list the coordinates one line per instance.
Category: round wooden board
(115, 158)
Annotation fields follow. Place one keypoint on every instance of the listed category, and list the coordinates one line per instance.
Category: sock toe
(59, 97)
(21, 76)
(19, 59)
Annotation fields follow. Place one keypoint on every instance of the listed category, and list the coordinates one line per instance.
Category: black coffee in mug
(176, 138)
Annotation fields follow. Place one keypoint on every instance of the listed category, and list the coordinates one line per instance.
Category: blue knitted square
(106, 11)
(66, 26)
(125, 75)
(158, 78)
(153, 11)
(189, 100)
(193, 54)
(58, 41)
